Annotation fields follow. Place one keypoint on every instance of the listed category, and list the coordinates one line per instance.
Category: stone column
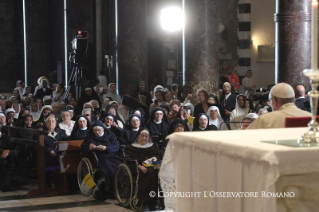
(293, 41)
(201, 34)
(132, 44)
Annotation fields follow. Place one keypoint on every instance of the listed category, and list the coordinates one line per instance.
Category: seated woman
(141, 113)
(81, 128)
(109, 122)
(27, 121)
(201, 123)
(106, 146)
(16, 107)
(129, 133)
(178, 125)
(35, 111)
(19, 121)
(158, 124)
(111, 109)
(56, 110)
(117, 106)
(50, 147)
(8, 154)
(97, 110)
(45, 111)
(141, 150)
(10, 117)
(215, 118)
(67, 124)
(89, 114)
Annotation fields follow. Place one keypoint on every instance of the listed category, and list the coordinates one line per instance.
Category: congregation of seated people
(105, 120)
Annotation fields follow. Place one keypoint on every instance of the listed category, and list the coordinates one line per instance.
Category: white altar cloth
(231, 161)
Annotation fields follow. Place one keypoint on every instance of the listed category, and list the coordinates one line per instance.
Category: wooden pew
(69, 153)
(39, 143)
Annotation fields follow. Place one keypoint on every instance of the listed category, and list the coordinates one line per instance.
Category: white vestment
(277, 118)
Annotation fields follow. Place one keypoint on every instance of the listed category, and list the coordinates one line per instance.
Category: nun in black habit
(104, 143)
(50, 149)
(147, 154)
(158, 124)
(129, 133)
(81, 128)
(26, 122)
(201, 123)
(109, 121)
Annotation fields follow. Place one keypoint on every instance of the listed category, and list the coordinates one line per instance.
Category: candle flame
(314, 1)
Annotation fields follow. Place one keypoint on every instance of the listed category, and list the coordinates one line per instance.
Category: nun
(215, 118)
(44, 90)
(104, 143)
(50, 149)
(201, 123)
(129, 133)
(147, 154)
(35, 111)
(81, 128)
(158, 124)
(109, 122)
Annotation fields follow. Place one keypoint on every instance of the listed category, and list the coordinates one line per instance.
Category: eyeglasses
(87, 114)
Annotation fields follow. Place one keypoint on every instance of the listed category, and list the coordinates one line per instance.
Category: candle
(314, 35)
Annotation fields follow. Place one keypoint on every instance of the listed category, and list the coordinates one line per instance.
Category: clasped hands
(99, 147)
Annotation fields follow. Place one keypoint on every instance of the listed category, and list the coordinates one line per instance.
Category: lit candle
(314, 35)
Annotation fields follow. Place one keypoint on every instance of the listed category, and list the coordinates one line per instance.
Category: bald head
(300, 91)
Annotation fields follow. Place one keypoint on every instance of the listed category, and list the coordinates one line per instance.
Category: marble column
(201, 34)
(132, 44)
(293, 41)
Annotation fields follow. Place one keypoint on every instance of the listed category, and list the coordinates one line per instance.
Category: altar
(234, 171)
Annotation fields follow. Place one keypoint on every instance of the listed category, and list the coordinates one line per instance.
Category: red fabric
(298, 121)
(234, 81)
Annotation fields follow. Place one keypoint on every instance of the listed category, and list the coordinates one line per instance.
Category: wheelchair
(90, 165)
(126, 178)
(126, 183)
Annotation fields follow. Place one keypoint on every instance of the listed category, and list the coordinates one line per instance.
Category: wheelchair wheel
(123, 185)
(84, 168)
(135, 204)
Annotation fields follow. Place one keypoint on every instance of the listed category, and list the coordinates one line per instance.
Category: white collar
(52, 135)
(135, 130)
(83, 128)
(108, 127)
(226, 97)
(202, 128)
(142, 146)
(158, 121)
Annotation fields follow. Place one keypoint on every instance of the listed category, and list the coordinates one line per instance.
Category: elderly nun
(104, 143)
(201, 123)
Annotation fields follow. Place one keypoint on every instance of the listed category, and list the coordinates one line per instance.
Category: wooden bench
(70, 155)
(39, 143)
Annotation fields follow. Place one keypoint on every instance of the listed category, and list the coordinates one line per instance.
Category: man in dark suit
(300, 95)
